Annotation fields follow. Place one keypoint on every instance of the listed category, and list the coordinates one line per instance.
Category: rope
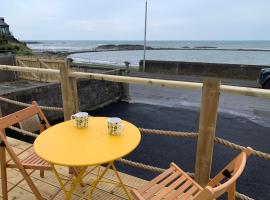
(218, 140)
(169, 133)
(24, 132)
(145, 167)
(242, 196)
(26, 104)
(238, 147)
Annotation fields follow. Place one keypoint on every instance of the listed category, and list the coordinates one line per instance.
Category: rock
(121, 47)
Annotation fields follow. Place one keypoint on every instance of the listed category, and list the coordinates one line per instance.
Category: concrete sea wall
(237, 71)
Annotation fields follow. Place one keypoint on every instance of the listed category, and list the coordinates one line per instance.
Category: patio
(49, 186)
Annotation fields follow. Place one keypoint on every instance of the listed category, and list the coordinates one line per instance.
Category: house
(4, 28)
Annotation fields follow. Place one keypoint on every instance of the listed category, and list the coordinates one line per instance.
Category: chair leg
(3, 171)
(22, 170)
(232, 191)
(41, 173)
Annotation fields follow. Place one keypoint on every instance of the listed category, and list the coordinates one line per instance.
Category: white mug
(80, 119)
(115, 126)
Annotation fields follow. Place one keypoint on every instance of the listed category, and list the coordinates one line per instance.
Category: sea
(234, 52)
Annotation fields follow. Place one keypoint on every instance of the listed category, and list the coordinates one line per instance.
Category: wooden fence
(211, 90)
(35, 62)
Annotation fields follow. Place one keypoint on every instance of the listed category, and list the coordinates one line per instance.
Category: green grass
(16, 48)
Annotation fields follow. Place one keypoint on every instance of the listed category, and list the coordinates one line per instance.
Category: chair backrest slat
(17, 117)
(21, 115)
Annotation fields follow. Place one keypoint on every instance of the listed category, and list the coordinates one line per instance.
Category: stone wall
(92, 94)
(236, 71)
(7, 59)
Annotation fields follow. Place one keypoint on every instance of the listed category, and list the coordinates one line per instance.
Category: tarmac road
(253, 108)
(242, 120)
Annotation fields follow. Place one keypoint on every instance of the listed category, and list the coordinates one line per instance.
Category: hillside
(11, 44)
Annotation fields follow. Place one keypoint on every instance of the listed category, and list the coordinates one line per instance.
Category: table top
(65, 144)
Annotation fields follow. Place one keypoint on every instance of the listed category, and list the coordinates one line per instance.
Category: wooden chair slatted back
(216, 187)
(23, 114)
(6, 122)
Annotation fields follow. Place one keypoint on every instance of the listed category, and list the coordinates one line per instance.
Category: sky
(124, 19)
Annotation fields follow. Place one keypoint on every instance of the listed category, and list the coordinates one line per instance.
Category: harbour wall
(236, 71)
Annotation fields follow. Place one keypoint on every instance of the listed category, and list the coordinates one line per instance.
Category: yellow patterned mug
(80, 119)
(115, 126)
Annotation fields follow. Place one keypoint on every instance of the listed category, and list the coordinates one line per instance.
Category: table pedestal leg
(74, 184)
(120, 181)
(96, 182)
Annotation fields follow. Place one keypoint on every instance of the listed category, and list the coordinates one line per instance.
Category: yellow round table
(65, 144)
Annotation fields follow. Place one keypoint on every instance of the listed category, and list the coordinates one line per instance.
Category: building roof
(2, 22)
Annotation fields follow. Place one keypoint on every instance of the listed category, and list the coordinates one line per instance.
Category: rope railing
(27, 104)
(222, 141)
(238, 147)
(218, 140)
(24, 132)
(242, 196)
(169, 133)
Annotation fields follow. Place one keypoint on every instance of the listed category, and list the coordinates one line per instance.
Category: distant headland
(8, 43)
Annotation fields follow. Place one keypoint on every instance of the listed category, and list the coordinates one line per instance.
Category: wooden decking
(49, 186)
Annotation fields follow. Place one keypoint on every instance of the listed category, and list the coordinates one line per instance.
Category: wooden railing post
(3, 165)
(69, 91)
(1, 115)
(125, 86)
(207, 128)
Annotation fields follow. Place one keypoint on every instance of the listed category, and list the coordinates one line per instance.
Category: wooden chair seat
(30, 162)
(173, 183)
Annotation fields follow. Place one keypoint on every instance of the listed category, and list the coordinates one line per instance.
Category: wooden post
(3, 165)
(1, 115)
(39, 66)
(125, 86)
(69, 91)
(207, 128)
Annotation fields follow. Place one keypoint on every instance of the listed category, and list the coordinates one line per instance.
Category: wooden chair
(174, 183)
(32, 161)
